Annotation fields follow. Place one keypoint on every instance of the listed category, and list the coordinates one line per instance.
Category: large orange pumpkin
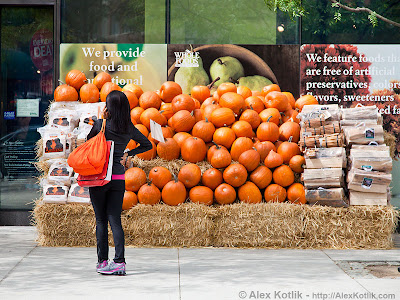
(150, 99)
(152, 113)
(224, 136)
(130, 200)
(270, 115)
(143, 129)
(76, 79)
(134, 88)
(222, 117)
(149, 194)
(135, 115)
(233, 101)
(107, 88)
(226, 87)
(133, 100)
(183, 102)
(134, 179)
(200, 92)
(242, 129)
(166, 110)
(283, 176)
(305, 100)
(190, 175)
(291, 99)
(193, 150)
(208, 101)
(244, 91)
(268, 131)
(65, 93)
(174, 192)
(198, 115)
(212, 178)
(225, 194)
(212, 148)
(160, 176)
(289, 129)
(89, 93)
(296, 194)
(101, 79)
(180, 137)
(263, 148)
(208, 110)
(273, 160)
(169, 90)
(201, 195)
(168, 150)
(221, 158)
(204, 130)
(150, 154)
(240, 145)
(261, 176)
(296, 163)
(290, 115)
(250, 159)
(235, 175)
(276, 100)
(249, 193)
(274, 193)
(270, 88)
(183, 120)
(254, 102)
(252, 117)
(287, 150)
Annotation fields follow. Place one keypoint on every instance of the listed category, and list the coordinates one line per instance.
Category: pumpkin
(65, 93)
(174, 192)
(273, 160)
(268, 131)
(130, 199)
(169, 150)
(134, 179)
(270, 115)
(183, 120)
(100, 79)
(193, 150)
(291, 99)
(261, 176)
(200, 92)
(215, 96)
(150, 99)
(255, 103)
(233, 101)
(289, 129)
(183, 102)
(208, 110)
(244, 91)
(287, 150)
(305, 100)
(226, 87)
(296, 194)
(143, 129)
(167, 132)
(204, 130)
(274, 193)
(208, 101)
(221, 158)
(197, 103)
(149, 154)
(212, 178)
(224, 136)
(160, 176)
(131, 145)
(296, 163)
(211, 150)
(242, 129)
(283, 176)
(190, 175)
(240, 145)
(166, 110)
(251, 117)
(270, 88)
(152, 113)
(180, 137)
(134, 88)
(133, 100)
(277, 144)
(250, 159)
(276, 100)
(89, 93)
(135, 115)
(76, 79)
(222, 117)
(169, 90)
(225, 194)
(107, 88)
(290, 115)
(263, 148)
(201, 195)
(149, 194)
(198, 115)
(235, 175)
(249, 193)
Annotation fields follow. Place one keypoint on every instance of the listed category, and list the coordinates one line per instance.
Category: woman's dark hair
(119, 111)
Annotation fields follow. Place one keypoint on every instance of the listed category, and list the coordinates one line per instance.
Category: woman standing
(107, 200)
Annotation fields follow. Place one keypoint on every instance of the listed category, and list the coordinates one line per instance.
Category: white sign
(187, 59)
(28, 107)
(156, 131)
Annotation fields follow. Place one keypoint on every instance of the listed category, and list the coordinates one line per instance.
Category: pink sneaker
(113, 268)
(101, 265)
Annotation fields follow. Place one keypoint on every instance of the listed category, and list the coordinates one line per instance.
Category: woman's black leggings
(107, 204)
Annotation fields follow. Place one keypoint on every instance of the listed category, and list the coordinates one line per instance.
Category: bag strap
(103, 126)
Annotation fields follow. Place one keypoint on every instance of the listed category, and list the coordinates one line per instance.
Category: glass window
(26, 86)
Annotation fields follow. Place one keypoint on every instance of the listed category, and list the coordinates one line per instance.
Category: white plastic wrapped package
(54, 142)
(60, 172)
(55, 193)
(70, 105)
(65, 119)
(78, 194)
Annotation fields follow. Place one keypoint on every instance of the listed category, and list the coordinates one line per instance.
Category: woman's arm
(95, 130)
(138, 137)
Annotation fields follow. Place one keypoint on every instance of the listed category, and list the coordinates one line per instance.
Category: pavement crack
(17, 264)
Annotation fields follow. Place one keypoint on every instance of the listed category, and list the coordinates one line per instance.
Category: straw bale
(390, 140)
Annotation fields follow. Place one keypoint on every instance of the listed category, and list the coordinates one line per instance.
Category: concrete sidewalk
(28, 271)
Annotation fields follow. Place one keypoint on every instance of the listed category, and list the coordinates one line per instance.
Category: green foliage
(373, 19)
(291, 7)
(338, 16)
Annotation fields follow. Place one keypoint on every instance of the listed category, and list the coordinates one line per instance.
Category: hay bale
(391, 141)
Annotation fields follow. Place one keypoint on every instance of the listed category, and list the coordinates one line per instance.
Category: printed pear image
(254, 83)
(188, 77)
(227, 68)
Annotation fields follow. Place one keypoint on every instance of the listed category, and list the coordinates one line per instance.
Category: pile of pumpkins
(249, 138)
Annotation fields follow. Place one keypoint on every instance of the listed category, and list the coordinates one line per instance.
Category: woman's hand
(124, 160)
